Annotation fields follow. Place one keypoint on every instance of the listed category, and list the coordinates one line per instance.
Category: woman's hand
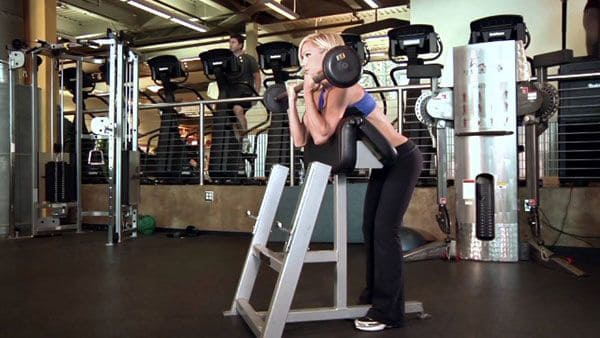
(309, 84)
(292, 95)
(291, 92)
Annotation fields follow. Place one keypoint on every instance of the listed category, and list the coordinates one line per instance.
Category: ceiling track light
(189, 22)
(196, 27)
(149, 9)
(281, 9)
(371, 3)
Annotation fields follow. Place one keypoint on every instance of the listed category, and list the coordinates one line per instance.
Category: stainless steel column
(485, 110)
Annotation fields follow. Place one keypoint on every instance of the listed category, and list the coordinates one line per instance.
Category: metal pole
(400, 107)
(531, 153)
(258, 98)
(292, 177)
(133, 66)
(12, 157)
(135, 101)
(62, 106)
(35, 211)
(52, 102)
(442, 165)
(79, 119)
(340, 245)
(111, 145)
(118, 133)
(564, 25)
(201, 145)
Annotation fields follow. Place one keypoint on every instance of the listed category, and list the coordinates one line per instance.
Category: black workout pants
(388, 195)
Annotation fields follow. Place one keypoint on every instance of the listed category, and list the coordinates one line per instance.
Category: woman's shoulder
(350, 91)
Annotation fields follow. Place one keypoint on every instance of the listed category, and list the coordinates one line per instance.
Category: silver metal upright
(117, 141)
(134, 102)
(80, 120)
(112, 60)
(201, 144)
(303, 224)
(35, 211)
(12, 146)
(292, 164)
(340, 243)
(447, 247)
(532, 202)
(122, 135)
(442, 161)
(262, 228)
(132, 119)
(531, 159)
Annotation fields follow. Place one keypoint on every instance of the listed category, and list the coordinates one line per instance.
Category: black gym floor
(154, 286)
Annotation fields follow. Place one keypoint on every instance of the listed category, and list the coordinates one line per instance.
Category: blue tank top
(366, 105)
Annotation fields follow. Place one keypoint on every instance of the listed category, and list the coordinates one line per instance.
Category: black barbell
(342, 67)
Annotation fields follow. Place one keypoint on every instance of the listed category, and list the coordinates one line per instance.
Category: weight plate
(342, 66)
(273, 100)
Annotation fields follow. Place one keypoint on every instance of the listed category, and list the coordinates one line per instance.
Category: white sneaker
(368, 324)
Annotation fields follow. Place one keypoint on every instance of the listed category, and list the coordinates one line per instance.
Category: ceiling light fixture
(183, 20)
(149, 9)
(199, 28)
(184, 44)
(371, 3)
(281, 9)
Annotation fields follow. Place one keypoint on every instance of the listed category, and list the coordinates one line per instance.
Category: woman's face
(312, 59)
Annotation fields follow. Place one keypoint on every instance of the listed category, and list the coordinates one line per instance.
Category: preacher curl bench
(356, 144)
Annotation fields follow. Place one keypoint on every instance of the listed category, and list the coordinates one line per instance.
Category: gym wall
(451, 20)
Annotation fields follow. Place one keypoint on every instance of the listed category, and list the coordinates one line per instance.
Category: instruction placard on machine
(468, 189)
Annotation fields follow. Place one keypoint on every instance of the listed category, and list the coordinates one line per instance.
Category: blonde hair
(325, 41)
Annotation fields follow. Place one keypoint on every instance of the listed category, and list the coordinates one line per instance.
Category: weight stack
(60, 182)
(484, 199)
(579, 125)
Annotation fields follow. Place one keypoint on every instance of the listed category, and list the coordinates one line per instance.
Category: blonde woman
(389, 190)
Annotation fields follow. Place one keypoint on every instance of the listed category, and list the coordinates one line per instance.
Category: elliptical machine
(226, 163)
(281, 58)
(407, 44)
(171, 165)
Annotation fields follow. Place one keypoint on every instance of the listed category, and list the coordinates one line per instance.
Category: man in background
(244, 83)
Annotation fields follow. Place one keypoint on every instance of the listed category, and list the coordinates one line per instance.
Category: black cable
(562, 226)
(562, 223)
(562, 232)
